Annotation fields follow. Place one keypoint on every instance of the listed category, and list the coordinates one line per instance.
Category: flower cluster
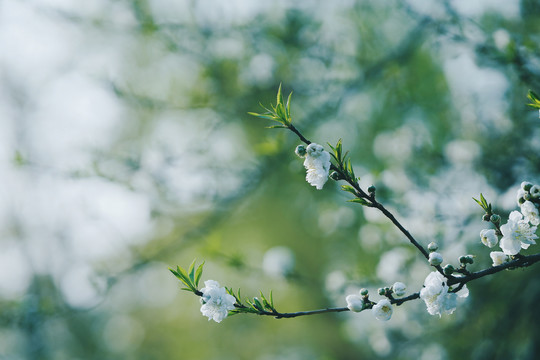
(216, 302)
(437, 296)
(382, 310)
(317, 164)
(519, 232)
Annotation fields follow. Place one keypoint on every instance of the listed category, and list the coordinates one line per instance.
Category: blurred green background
(126, 148)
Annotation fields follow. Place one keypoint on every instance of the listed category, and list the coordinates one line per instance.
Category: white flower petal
(510, 246)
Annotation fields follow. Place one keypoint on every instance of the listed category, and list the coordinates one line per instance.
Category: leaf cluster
(535, 99)
(484, 204)
(280, 113)
(190, 278)
(261, 306)
(346, 172)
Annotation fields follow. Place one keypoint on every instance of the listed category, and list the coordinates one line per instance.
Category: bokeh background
(126, 148)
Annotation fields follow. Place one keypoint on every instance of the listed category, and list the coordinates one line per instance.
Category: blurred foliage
(430, 101)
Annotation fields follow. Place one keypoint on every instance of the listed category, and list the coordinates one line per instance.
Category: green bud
(495, 218)
(526, 185)
(432, 246)
(521, 200)
(334, 175)
(486, 217)
(364, 292)
(466, 259)
(300, 151)
(527, 196)
(382, 291)
(371, 189)
(448, 269)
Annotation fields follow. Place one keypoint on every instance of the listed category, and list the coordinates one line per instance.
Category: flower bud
(355, 303)
(364, 292)
(535, 192)
(466, 259)
(527, 196)
(399, 288)
(495, 218)
(435, 259)
(432, 246)
(526, 185)
(448, 269)
(486, 217)
(334, 175)
(300, 151)
(371, 189)
(381, 291)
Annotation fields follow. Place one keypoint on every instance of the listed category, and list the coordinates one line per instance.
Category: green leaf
(279, 99)
(191, 271)
(360, 201)
(534, 98)
(288, 106)
(263, 116)
(183, 276)
(257, 304)
(198, 275)
(348, 188)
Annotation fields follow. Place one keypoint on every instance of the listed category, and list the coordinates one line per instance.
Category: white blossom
(355, 303)
(436, 296)
(317, 164)
(399, 288)
(499, 257)
(383, 310)
(435, 258)
(489, 237)
(517, 234)
(216, 301)
(530, 211)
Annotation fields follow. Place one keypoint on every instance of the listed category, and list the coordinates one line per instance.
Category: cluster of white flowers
(520, 230)
(437, 297)
(317, 164)
(382, 310)
(216, 301)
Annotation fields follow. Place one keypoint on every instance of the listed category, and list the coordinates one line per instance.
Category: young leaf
(534, 98)
(348, 188)
(288, 106)
(191, 271)
(198, 275)
(360, 201)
